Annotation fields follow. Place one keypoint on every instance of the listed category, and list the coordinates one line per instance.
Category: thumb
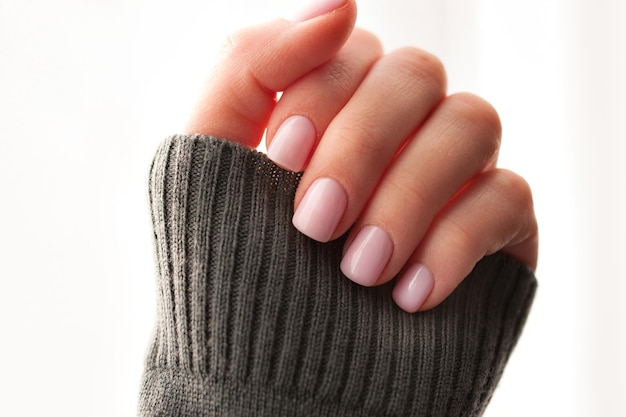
(259, 61)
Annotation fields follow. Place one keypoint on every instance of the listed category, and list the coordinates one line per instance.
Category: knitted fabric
(256, 319)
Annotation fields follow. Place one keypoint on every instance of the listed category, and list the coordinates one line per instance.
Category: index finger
(259, 61)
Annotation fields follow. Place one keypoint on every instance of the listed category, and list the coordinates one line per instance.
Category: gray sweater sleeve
(256, 319)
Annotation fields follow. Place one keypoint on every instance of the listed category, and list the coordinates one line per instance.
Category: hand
(384, 150)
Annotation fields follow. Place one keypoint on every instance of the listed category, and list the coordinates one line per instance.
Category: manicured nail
(292, 143)
(367, 256)
(413, 287)
(321, 209)
(316, 8)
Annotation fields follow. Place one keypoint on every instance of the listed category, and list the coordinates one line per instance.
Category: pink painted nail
(321, 209)
(292, 143)
(367, 256)
(316, 8)
(413, 287)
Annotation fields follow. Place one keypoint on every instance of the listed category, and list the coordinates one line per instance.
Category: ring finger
(459, 140)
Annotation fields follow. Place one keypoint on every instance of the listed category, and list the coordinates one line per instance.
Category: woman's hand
(384, 150)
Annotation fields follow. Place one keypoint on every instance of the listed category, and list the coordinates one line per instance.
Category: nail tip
(311, 234)
(349, 273)
(413, 288)
(401, 302)
(292, 143)
(367, 256)
(315, 9)
(281, 164)
(320, 210)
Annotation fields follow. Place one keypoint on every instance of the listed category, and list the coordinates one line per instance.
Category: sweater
(256, 319)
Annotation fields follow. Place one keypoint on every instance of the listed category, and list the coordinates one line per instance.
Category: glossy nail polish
(316, 8)
(292, 143)
(321, 209)
(413, 287)
(367, 256)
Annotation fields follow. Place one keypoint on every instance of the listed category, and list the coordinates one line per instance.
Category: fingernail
(321, 209)
(367, 256)
(413, 287)
(316, 8)
(292, 143)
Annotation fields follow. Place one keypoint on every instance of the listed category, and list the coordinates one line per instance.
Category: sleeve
(256, 319)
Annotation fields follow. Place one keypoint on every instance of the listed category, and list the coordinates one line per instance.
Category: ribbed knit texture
(255, 319)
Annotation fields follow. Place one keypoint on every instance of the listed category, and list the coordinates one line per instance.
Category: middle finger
(392, 101)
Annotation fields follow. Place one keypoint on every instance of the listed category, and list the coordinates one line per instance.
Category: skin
(417, 163)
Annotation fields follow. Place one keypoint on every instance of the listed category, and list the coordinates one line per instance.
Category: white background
(88, 89)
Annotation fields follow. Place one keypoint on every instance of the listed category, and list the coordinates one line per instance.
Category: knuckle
(339, 75)
(419, 64)
(361, 139)
(240, 42)
(409, 192)
(239, 37)
(516, 191)
(458, 239)
(478, 111)
(361, 50)
(474, 114)
(230, 43)
(514, 188)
